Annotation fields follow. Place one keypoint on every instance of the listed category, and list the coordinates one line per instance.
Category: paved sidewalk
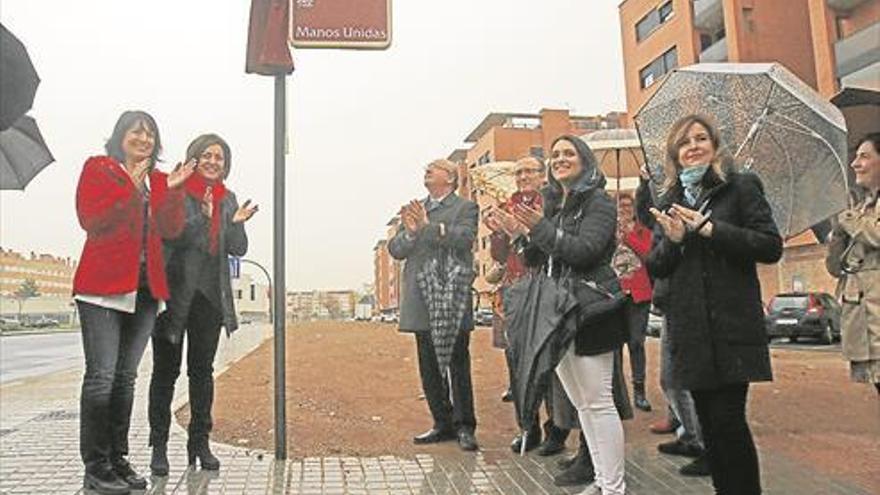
(39, 454)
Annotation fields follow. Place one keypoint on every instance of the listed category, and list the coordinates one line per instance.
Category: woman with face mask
(201, 300)
(716, 225)
(126, 208)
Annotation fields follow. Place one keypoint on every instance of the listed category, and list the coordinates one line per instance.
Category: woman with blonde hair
(716, 226)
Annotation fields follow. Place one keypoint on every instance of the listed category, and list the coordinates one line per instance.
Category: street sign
(358, 24)
(234, 267)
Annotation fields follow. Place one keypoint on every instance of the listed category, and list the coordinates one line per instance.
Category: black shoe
(103, 480)
(201, 450)
(466, 441)
(697, 467)
(580, 472)
(434, 435)
(639, 399)
(677, 447)
(126, 473)
(550, 446)
(159, 461)
(508, 396)
(532, 443)
(566, 462)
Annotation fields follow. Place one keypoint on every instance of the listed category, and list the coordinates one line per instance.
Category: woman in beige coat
(854, 257)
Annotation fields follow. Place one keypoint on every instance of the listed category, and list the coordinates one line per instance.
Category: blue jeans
(113, 344)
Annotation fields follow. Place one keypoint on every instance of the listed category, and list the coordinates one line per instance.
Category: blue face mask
(692, 176)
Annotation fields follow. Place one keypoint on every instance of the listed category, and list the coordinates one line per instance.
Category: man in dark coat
(441, 223)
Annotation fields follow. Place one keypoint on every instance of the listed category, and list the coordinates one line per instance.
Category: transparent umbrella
(772, 123)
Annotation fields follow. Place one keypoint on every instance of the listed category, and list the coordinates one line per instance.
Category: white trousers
(587, 381)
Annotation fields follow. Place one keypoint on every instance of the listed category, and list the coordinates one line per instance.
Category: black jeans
(636, 315)
(113, 344)
(457, 414)
(731, 451)
(202, 336)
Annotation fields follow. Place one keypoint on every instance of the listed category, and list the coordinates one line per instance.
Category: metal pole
(268, 279)
(280, 298)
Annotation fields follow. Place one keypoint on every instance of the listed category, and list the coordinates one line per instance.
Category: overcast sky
(361, 124)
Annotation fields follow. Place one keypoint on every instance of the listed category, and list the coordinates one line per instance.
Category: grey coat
(460, 217)
(192, 268)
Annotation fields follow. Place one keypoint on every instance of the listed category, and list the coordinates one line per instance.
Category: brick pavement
(39, 455)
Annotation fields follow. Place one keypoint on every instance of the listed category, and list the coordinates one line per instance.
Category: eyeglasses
(527, 171)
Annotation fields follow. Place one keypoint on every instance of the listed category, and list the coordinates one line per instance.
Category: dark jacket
(715, 319)
(460, 218)
(579, 236)
(192, 268)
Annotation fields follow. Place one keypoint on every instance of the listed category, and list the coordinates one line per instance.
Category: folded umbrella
(23, 153)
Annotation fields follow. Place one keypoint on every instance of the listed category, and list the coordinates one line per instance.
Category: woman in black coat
(577, 231)
(201, 300)
(716, 225)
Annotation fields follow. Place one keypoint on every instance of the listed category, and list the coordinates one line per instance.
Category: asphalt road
(25, 356)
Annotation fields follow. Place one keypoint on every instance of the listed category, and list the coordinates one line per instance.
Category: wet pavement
(39, 454)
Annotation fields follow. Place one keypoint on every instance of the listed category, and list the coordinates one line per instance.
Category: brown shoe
(664, 426)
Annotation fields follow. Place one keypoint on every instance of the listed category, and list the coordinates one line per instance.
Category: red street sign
(362, 24)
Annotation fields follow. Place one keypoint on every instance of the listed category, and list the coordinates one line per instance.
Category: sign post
(347, 24)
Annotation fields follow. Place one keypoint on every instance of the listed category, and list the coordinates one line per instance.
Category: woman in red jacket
(634, 244)
(126, 208)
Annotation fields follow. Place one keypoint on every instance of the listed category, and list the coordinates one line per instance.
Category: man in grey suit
(442, 221)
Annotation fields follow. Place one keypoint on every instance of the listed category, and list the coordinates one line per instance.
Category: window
(238, 294)
(666, 11)
(253, 292)
(653, 20)
(537, 152)
(661, 65)
(484, 159)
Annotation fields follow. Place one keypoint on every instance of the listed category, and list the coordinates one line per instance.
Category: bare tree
(27, 290)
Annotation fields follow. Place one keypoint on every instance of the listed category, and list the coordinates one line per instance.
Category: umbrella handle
(522, 445)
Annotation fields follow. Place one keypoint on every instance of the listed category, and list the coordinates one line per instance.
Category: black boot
(554, 440)
(103, 480)
(580, 471)
(199, 448)
(126, 473)
(159, 460)
(639, 398)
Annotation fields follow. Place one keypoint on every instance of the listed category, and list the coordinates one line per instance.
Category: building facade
(321, 305)
(53, 275)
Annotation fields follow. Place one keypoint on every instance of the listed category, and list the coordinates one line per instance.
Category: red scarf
(195, 187)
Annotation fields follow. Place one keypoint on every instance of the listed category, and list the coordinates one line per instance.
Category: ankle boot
(580, 471)
(159, 460)
(200, 448)
(639, 398)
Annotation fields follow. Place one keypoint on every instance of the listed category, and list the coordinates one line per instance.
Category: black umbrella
(23, 153)
(18, 78)
(539, 311)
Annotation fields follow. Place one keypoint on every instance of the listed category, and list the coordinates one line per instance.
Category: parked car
(9, 323)
(42, 322)
(483, 317)
(803, 314)
(388, 318)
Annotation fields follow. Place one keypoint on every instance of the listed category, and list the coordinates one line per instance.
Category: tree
(27, 290)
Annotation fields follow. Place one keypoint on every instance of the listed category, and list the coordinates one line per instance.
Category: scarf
(691, 179)
(196, 186)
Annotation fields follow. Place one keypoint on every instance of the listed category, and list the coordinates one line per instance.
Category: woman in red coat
(126, 208)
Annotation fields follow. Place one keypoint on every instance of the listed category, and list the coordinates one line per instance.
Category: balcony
(717, 52)
(845, 4)
(708, 15)
(858, 51)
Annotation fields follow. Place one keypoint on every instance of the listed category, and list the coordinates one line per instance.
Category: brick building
(53, 275)
(829, 44)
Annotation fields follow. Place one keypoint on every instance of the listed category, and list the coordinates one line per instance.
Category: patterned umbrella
(495, 179)
(772, 123)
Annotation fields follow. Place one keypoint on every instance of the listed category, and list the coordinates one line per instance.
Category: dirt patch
(353, 389)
